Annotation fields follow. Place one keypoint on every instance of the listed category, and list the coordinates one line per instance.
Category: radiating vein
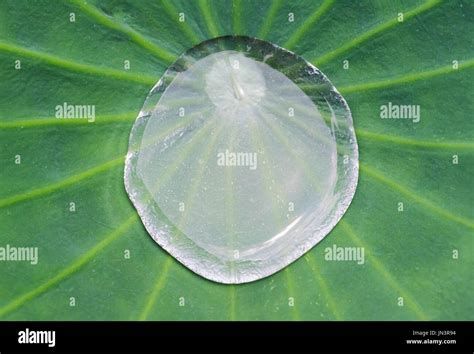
(42, 122)
(135, 36)
(48, 189)
(237, 16)
(75, 66)
(208, 18)
(159, 285)
(391, 281)
(380, 268)
(191, 144)
(198, 176)
(187, 30)
(162, 278)
(291, 292)
(279, 134)
(406, 79)
(325, 58)
(304, 165)
(306, 26)
(428, 204)
(230, 219)
(70, 269)
(267, 178)
(323, 286)
(268, 20)
(424, 202)
(35, 193)
(232, 289)
(370, 171)
(392, 139)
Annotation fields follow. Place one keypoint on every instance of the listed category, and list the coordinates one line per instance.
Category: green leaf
(408, 254)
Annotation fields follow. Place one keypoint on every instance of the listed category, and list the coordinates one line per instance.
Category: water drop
(215, 159)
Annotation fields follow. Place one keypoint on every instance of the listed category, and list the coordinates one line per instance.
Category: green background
(408, 254)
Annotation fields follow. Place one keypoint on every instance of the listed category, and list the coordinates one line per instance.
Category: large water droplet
(242, 159)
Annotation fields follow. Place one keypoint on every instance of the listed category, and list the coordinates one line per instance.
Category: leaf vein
(135, 36)
(406, 79)
(325, 58)
(42, 122)
(75, 66)
(48, 189)
(267, 22)
(455, 145)
(310, 21)
(208, 18)
(370, 171)
(69, 270)
(323, 285)
(380, 268)
(159, 285)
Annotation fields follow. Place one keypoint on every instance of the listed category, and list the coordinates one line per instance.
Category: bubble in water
(243, 158)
